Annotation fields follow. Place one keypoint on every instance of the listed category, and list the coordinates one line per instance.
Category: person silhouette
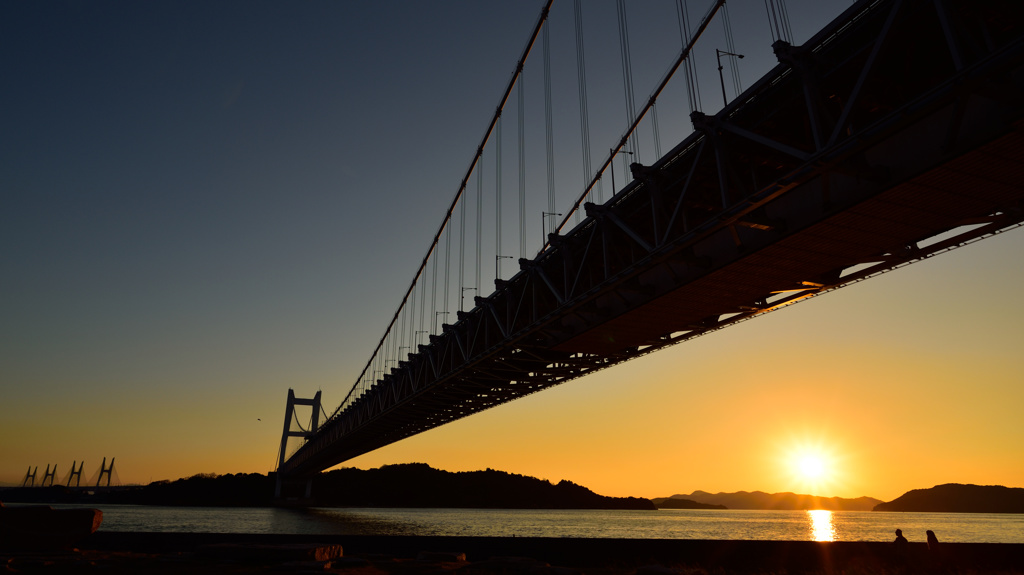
(935, 559)
(900, 547)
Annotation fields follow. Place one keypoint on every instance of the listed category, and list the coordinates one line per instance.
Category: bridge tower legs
(30, 475)
(76, 474)
(50, 476)
(289, 412)
(104, 470)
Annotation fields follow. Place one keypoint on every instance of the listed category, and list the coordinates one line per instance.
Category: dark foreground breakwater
(626, 554)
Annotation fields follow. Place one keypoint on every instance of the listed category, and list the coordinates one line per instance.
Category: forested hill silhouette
(959, 498)
(762, 500)
(419, 485)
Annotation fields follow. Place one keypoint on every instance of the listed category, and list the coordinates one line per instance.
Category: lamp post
(462, 302)
(497, 265)
(718, 56)
(544, 226)
(613, 153)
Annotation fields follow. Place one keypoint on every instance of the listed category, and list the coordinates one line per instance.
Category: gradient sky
(205, 204)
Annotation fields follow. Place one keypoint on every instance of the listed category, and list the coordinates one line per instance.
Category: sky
(203, 205)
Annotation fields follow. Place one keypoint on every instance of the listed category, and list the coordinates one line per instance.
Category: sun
(812, 467)
(811, 459)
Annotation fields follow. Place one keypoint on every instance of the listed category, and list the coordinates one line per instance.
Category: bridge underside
(892, 135)
(973, 196)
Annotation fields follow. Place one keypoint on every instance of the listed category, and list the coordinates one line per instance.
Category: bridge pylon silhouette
(105, 471)
(30, 475)
(49, 477)
(305, 434)
(76, 474)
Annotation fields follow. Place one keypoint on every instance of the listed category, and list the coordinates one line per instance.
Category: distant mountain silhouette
(676, 503)
(762, 500)
(959, 498)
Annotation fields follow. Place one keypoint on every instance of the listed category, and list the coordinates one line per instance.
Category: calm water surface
(663, 524)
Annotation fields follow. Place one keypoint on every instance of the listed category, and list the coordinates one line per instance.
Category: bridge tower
(30, 474)
(104, 470)
(314, 423)
(50, 476)
(76, 474)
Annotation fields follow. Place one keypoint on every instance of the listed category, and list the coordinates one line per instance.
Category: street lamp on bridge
(462, 302)
(497, 265)
(612, 164)
(544, 226)
(718, 56)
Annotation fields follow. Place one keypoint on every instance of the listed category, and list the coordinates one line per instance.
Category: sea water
(661, 524)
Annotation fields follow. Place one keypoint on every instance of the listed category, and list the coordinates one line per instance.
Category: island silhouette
(959, 498)
(770, 501)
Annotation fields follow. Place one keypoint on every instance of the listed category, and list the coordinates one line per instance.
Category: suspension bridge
(892, 135)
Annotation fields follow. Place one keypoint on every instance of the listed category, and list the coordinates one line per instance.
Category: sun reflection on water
(822, 528)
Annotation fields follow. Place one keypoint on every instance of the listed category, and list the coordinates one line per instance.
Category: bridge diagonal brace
(712, 128)
(579, 263)
(682, 194)
(497, 320)
(944, 20)
(865, 72)
(531, 266)
(594, 210)
(767, 142)
(458, 341)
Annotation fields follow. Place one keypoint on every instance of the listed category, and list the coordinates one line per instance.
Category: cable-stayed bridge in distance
(894, 134)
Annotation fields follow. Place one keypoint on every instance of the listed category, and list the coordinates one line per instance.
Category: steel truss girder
(881, 81)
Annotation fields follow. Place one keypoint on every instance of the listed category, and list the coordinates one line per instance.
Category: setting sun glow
(812, 466)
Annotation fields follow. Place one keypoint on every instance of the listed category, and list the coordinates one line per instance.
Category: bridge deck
(894, 134)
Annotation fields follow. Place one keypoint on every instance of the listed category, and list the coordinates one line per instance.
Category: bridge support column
(76, 474)
(30, 475)
(50, 476)
(104, 470)
(314, 423)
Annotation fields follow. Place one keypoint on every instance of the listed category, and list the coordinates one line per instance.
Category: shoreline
(127, 552)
